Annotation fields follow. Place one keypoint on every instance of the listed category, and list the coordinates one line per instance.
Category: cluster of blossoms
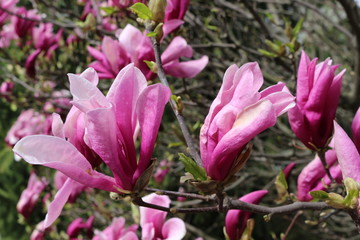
(120, 129)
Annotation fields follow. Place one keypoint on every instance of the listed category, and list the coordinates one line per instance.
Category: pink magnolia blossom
(153, 224)
(174, 14)
(7, 34)
(6, 89)
(317, 97)
(313, 175)
(77, 225)
(288, 169)
(30, 195)
(8, 5)
(162, 170)
(116, 54)
(45, 42)
(347, 154)
(111, 127)
(24, 27)
(110, 59)
(235, 221)
(28, 123)
(237, 115)
(117, 231)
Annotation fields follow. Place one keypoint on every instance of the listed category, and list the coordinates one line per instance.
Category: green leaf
(109, 10)
(297, 27)
(319, 195)
(151, 34)
(142, 11)
(191, 167)
(267, 53)
(280, 179)
(150, 64)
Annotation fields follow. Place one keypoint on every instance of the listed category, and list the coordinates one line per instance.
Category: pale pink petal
(91, 75)
(347, 154)
(174, 229)
(60, 199)
(57, 126)
(85, 94)
(149, 215)
(59, 154)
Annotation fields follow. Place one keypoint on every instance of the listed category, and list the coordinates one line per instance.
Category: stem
(291, 225)
(178, 194)
(161, 74)
(322, 157)
(355, 217)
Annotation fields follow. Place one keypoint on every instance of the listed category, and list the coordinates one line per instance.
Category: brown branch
(161, 74)
(178, 194)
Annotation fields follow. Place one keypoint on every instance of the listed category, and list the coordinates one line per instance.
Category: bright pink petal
(150, 108)
(235, 220)
(176, 49)
(355, 128)
(170, 26)
(187, 69)
(252, 121)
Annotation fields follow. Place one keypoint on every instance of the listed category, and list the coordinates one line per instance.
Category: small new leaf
(319, 195)
(151, 34)
(109, 10)
(191, 167)
(142, 11)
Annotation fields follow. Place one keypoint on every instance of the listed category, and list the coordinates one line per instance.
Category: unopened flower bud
(157, 8)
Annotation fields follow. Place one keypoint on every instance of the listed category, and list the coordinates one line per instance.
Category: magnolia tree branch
(240, 205)
(161, 74)
(179, 194)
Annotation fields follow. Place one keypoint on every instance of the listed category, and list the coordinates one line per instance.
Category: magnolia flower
(237, 115)
(162, 170)
(24, 27)
(111, 127)
(28, 123)
(30, 195)
(117, 231)
(8, 5)
(110, 59)
(153, 224)
(313, 176)
(116, 54)
(45, 42)
(77, 225)
(174, 14)
(7, 34)
(235, 221)
(317, 97)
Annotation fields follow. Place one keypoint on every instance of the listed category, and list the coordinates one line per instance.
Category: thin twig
(179, 194)
(291, 225)
(160, 71)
